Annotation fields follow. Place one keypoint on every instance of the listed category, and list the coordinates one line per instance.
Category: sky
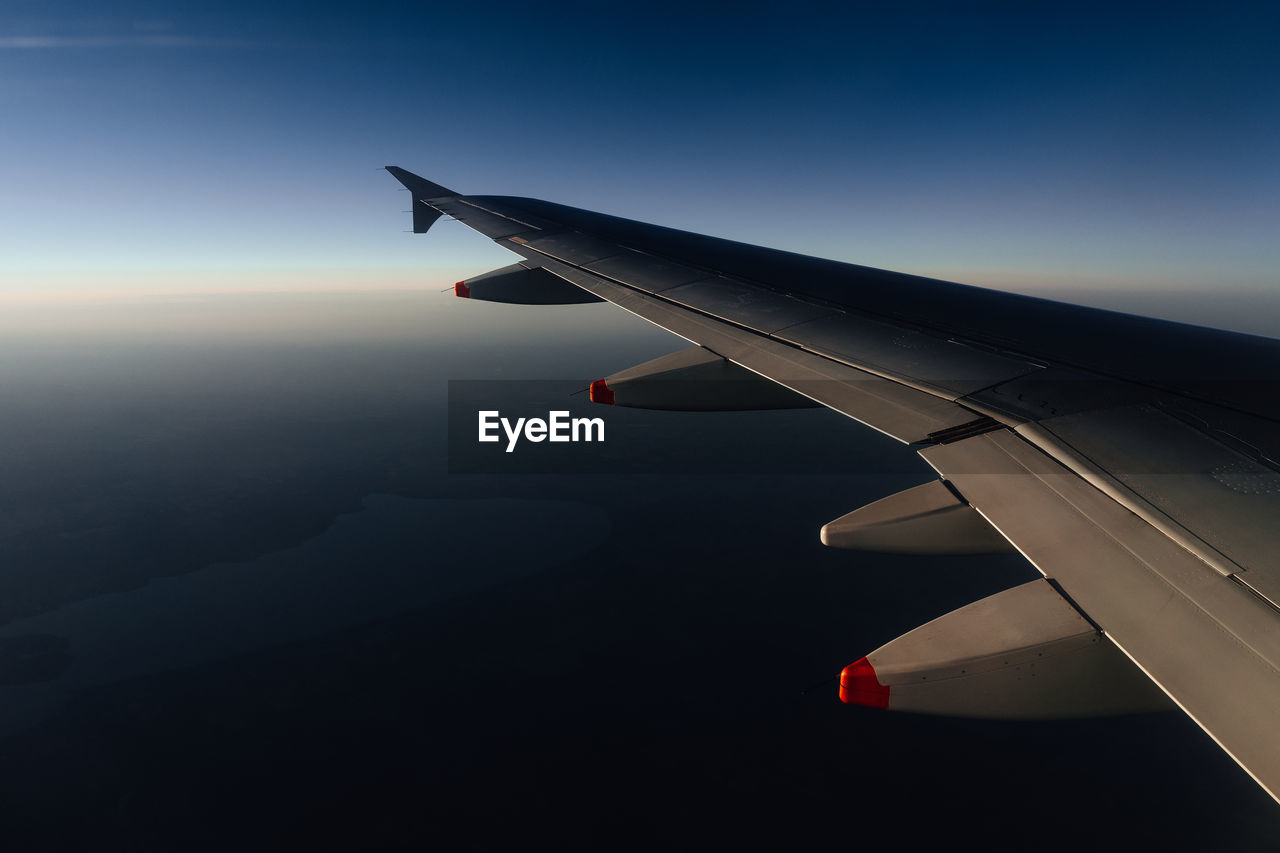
(152, 147)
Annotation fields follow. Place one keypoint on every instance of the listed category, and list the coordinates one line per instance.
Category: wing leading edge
(1129, 459)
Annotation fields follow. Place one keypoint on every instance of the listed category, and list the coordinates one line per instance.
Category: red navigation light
(859, 686)
(461, 289)
(601, 393)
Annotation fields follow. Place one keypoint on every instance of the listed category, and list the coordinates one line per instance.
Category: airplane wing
(1133, 461)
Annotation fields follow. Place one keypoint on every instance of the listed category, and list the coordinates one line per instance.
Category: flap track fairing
(929, 519)
(520, 285)
(695, 380)
(1022, 654)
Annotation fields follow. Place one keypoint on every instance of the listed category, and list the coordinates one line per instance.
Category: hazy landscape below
(245, 600)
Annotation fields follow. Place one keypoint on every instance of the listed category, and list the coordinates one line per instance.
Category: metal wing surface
(1133, 461)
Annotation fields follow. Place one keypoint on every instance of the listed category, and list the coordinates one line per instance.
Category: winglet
(422, 189)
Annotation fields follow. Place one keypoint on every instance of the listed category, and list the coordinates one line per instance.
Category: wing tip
(418, 185)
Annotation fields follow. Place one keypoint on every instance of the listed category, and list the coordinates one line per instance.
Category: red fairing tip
(461, 289)
(859, 686)
(601, 393)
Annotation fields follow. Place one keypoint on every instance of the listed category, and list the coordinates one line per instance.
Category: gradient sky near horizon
(154, 147)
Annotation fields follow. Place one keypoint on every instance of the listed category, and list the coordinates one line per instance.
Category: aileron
(904, 413)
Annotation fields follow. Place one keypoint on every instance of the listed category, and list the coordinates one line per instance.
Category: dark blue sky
(147, 147)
